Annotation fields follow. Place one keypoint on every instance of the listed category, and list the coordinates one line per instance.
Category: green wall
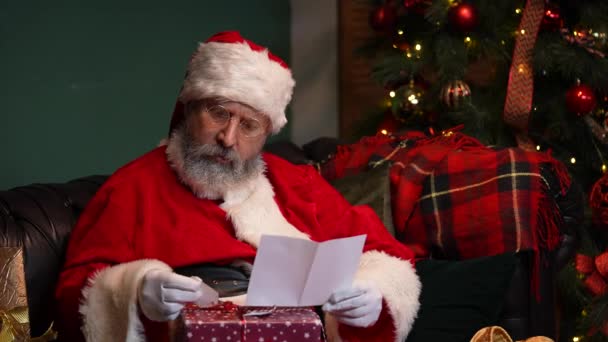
(86, 86)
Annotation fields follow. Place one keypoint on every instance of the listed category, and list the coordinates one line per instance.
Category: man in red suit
(206, 198)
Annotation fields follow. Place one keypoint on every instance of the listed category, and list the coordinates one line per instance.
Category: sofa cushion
(460, 297)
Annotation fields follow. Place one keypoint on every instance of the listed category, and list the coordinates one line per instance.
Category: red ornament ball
(383, 18)
(401, 43)
(580, 99)
(463, 17)
(552, 20)
(598, 201)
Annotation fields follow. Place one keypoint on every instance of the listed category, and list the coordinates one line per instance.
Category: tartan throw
(455, 198)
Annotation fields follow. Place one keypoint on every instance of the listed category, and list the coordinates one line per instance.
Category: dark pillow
(371, 187)
(460, 297)
(288, 151)
(321, 149)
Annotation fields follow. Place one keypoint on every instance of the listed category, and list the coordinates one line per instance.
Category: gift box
(229, 322)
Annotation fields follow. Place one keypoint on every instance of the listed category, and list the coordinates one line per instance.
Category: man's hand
(358, 306)
(162, 294)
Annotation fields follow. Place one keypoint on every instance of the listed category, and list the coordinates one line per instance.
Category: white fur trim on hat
(109, 306)
(236, 72)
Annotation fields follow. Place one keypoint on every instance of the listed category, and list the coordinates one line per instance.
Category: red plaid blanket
(455, 198)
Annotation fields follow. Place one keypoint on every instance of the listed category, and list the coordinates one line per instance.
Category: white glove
(162, 294)
(357, 306)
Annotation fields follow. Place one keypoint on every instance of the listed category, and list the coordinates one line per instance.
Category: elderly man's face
(231, 125)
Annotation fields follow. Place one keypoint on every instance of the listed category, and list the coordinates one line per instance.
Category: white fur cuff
(109, 308)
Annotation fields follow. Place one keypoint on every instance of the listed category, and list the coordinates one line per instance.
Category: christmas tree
(532, 74)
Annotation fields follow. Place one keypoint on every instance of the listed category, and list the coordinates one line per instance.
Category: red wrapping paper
(228, 322)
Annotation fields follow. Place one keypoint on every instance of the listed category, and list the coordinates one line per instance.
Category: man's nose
(228, 135)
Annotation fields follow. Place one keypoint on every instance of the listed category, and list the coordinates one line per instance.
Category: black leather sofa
(39, 217)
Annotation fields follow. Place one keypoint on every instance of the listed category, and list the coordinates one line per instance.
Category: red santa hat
(230, 66)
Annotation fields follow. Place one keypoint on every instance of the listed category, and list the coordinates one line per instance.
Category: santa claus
(207, 197)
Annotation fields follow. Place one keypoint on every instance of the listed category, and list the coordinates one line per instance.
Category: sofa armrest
(39, 218)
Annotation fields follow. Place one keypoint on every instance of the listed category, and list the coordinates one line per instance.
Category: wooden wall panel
(358, 93)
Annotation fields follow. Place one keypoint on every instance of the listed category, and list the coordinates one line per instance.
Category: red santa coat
(143, 218)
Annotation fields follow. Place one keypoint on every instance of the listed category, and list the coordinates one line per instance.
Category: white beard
(205, 177)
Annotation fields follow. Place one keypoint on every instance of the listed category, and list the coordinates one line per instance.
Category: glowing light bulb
(391, 94)
(538, 147)
(418, 47)
(518, 10)
(400, 32)
(467, 39)
(604, 168)
(522, 31)
(521, 68)
(385, 132)
(573, 160)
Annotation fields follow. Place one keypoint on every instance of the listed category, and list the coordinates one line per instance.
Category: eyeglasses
(218, 116)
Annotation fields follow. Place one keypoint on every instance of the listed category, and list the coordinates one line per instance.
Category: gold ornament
(410, 102)
(455, 94)
(498, 334)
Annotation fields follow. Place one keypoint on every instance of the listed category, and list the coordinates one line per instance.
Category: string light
(575, 339)
(413, 100)
(522, 31)
(573, 160)
(604, 168)
(409, 55)
(518, 10)
(418, 47)
(502, 42)
(385, 132)
(394, 46)
(521, 68)
(538, 147)
(400, 32)
(467, 39)
(391, 94)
